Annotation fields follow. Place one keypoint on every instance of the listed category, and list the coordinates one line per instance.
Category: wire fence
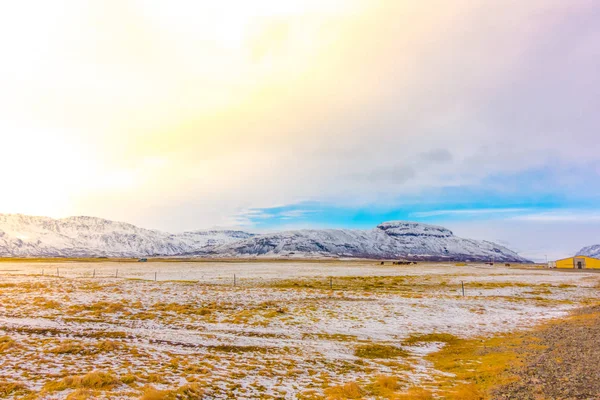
(189, 276)
(156, 276)
(340, 282)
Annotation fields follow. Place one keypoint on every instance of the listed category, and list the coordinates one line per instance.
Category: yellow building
(579, 262)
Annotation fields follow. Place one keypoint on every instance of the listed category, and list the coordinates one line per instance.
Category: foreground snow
(278, 334)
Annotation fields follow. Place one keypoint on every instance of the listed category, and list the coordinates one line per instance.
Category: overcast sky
(480, 116)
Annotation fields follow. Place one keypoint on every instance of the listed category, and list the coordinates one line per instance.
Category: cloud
(394, 105)
(566, 216)
(467, 212)
(275, 216)
(394, 174)
(441, 156)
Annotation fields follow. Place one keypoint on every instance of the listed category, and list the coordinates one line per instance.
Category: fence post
(462, 283)
(155, 277)
(57, 273)
(94, 274)
(117, 273)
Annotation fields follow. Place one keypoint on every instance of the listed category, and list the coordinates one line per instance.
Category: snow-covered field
(285, 330)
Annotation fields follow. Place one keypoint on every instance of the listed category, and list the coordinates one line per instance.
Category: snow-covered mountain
(27, 236)
(394, 239)
(590, 251)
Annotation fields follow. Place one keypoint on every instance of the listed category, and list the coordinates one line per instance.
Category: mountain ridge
(391, 239)
(82, 236)
(590, 251)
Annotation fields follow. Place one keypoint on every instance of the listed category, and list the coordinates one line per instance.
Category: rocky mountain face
(590, 251)
(27, 236)
(389, 240)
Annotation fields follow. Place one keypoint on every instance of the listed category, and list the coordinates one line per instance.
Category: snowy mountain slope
(23, 235)
(590, 251)
(27, 236)
(394, 239)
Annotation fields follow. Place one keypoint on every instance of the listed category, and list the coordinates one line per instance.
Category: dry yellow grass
(478, 365)
(99, 308)
(83, 348)
(6, 342)
(373, 351)
(431, 337)
(350, 390)
(128, 379)
(384, 386)
(94, 380)
(45, 303)
(156, 378)
(415, 393)
(71, 347)
(188, 309)
(187, 392)
(12, 389)
(108, 346)
(81, 394)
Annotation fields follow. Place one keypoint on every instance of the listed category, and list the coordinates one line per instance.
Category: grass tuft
(416, 393)
(6, 342)
(384, 386)
(70, 347)
(373, 351)
(350, 390)
(93, 380)
(12, 389)
(191, 391)
(81, 394)
(432, 337)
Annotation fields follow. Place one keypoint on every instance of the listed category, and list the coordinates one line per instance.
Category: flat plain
(291, 330)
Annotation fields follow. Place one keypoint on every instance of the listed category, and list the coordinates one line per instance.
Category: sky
(273, 114)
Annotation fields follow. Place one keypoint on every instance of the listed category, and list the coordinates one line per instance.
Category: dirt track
(568, 368)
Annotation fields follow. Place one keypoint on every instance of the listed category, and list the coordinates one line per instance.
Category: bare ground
(566, 367)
